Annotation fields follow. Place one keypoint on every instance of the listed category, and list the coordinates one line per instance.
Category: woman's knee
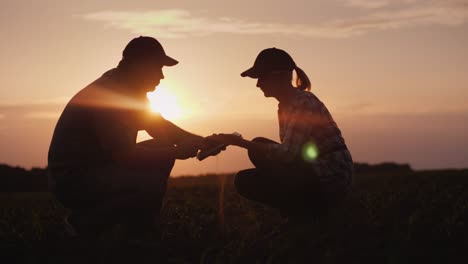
(258, 159)
(244, 182)
(239, 181)
(264, 140)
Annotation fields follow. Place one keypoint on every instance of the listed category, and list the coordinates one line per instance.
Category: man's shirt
(97, 122)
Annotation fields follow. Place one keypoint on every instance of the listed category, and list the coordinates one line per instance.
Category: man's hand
(210, 147)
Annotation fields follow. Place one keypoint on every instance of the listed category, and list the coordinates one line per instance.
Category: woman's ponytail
(302, 81)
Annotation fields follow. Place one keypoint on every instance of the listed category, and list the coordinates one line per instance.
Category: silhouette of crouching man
(95, 165)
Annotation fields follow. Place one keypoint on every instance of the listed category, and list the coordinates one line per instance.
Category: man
(95, 165)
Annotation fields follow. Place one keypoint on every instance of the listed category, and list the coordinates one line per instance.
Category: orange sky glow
(392, 73)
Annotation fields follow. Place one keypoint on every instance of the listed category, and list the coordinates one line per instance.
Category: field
(413, 217)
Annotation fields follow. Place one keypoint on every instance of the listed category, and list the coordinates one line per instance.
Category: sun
(165, 103)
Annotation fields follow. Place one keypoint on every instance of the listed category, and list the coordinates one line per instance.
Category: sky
(393, 73)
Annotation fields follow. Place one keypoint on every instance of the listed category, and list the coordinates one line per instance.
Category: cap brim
(252, 73)
(168, 61)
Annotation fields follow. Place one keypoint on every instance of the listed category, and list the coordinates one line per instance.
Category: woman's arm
(300, 124)
(235, 140)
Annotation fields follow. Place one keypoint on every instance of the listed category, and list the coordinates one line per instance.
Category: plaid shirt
(304, 123)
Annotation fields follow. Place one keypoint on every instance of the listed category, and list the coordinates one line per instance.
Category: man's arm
(158, 127)
(117, 139)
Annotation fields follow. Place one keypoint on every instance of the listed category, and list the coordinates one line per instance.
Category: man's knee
(139, 183)
(155, 143)
(163, 166)
(154, 182)
(166, 166)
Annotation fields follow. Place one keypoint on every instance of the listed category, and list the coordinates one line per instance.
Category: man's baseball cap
(268, 60)
(147, 48)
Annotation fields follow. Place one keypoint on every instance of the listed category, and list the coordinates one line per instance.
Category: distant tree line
(17, 179)
(381, 167)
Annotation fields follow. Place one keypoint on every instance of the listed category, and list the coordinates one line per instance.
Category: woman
(311, 169)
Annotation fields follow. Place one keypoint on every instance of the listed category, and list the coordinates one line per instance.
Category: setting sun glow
(165, 103)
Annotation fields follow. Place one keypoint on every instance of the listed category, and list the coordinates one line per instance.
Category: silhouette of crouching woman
(311, 168)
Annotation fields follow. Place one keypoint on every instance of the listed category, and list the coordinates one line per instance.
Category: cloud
(367, 3)
(357, 107)
(42, 115)
(371, 4)
(39, 109)
(378, 15)
(37, 102)
(452, 13)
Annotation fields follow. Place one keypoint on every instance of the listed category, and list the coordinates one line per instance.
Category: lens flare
(165, 103)
(310, 152)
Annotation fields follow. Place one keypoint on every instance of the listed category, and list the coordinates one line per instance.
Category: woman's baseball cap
(147, 48)
(268, 60)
